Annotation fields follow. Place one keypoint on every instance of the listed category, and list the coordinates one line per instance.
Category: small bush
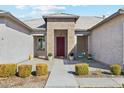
(81, 69)
(24, 70)
(122, 85)
(12, 69)
(50, 54)
(7, 70)
(41, 69)
(115, 69)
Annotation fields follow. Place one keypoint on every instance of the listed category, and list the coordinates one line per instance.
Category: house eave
(39, 29)
(120, 11)
(8, 15)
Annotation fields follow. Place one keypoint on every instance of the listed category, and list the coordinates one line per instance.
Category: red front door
(60, 46)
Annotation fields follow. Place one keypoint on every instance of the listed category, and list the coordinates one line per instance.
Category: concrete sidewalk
(62, 77)
(59, 77)
(98, 83)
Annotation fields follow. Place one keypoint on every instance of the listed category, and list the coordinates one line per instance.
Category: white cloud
(38, 10)
(48, 8)
(21, 6)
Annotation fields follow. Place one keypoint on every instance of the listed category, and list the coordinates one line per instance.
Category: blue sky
(36, 11)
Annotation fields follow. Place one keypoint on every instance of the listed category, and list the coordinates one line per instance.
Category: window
(41, 42)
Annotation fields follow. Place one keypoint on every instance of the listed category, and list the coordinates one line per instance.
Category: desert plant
(50, 54)
(41, 69)
(12, 69)
(24, 70)
(115, 69)
(122, 85)
(7, 70)
(81, 69)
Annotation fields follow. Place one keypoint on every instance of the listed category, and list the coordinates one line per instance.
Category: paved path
(59, 77)
(97, 83)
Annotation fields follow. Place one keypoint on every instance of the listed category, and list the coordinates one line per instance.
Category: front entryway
(60, 46)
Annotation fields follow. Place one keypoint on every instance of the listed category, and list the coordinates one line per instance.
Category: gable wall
(16, 43)
(106, 41)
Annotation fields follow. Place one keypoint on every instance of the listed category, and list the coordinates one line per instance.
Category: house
(62, 34)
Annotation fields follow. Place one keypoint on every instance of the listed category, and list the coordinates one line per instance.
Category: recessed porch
(82, 46)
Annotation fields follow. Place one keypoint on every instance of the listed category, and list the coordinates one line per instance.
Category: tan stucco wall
(16, 43)
(106, 41)
(60, 24)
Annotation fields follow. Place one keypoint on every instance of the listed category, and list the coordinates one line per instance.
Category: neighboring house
(62, 34)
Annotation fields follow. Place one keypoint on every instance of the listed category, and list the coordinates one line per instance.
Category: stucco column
(50, 41)
(75, 46)
(45, 45)
(71, 41)
(89, 45)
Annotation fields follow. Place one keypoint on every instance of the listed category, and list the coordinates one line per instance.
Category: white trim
(38, 35)
(79, 34)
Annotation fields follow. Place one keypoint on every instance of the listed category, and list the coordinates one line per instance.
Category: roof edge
(9, 15)
(48, 16)
(120, 11)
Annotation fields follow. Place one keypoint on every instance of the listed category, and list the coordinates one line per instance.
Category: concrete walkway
(98, 83)
(59, 77)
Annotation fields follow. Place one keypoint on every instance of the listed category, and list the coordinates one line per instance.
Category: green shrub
(122, 85)
(12, 69)
(24, 70)
(7, 70)
(50, 54)
(115, 69)
(41, 69)
(81, 69)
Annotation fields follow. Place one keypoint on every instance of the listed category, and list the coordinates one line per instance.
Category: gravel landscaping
(98, 74)
(28, 82)
(32, 81)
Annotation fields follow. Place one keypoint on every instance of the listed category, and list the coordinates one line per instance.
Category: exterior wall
(106, 41)
(60, 24)
(16, 43)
